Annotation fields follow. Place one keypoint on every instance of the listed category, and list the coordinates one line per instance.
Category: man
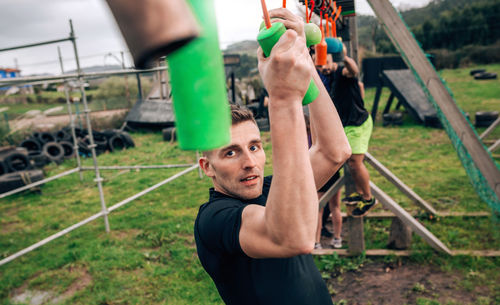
(347, 93)
(255, 235)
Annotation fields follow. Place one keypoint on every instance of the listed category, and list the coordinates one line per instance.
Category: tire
(485, 75)
(62, 135)
(46, 137)
(31, 144)
(12, 181)
(53, 151)
(169, 134)
(485, 118)
(38, 159)
(16, 162)
(476, 71)
(102, 143)
(68, 150)
(3, 169)
(127, 139)
(83, 147)
(432, 121)
(116, 143)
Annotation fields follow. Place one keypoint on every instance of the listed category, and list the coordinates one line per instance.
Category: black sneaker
(325, 232)
(363, 207)
(352, 199)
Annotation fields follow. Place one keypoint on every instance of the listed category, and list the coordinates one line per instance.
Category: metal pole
(35, 44)
(232, 87)
(92, 218)
(71, 118)
(139, 86)
(127, 92)
(27, 187)
(85, 168)
(92, 145)
(200, 174)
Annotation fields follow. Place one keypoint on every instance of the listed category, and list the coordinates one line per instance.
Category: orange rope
(267, 20)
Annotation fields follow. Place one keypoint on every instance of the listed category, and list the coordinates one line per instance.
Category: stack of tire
(16, 169)
(481, 74)
(486, 118)
(46, 147)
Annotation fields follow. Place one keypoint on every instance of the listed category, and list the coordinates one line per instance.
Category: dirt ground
(381, 283)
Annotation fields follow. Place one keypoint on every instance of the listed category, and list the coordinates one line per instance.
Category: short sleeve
(219, 225)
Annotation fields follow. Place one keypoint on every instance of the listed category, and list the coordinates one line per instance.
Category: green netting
(477, 179)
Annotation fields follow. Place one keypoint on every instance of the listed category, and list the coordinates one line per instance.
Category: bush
(466, 56)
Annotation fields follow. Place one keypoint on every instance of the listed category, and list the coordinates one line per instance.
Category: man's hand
(289, 20)
(286, 73)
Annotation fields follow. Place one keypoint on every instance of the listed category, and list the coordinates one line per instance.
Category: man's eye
(230, 153)
(254, 148)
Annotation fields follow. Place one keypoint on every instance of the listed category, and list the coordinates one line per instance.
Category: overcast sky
(30, 21)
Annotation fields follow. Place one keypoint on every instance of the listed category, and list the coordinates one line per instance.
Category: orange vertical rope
(312, 10)
(307, 12)
(267, 20)
(327, 27)
(284, 3)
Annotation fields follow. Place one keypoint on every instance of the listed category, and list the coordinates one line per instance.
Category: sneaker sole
(366, 212)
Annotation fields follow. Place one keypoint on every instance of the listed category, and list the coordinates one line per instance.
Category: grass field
(149, 257)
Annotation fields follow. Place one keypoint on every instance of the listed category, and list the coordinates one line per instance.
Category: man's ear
(206, 166)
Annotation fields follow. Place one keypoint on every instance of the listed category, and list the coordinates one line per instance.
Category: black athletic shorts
(330, 182)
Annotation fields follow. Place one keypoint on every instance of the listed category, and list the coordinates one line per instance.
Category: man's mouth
(249, 180)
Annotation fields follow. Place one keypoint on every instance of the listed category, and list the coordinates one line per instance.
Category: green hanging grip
(267, 38)
(201, 107)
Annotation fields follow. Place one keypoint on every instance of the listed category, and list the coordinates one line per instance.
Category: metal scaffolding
(80, 77)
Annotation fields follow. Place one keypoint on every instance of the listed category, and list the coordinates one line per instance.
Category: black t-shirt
(346, 96)
(244, 280)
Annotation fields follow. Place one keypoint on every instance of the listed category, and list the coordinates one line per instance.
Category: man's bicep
(255, 240)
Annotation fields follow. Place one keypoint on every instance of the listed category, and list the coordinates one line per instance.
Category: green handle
(267, 38)
(201, 107)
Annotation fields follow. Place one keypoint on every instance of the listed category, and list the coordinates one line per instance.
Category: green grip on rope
(267, 38)
(202, 115)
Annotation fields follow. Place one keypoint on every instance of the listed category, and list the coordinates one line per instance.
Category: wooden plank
(484, 253)
(331, 191)
(386, 252)
(494, 146)
(387, 215)
(416, 59)
(399, 184)
(490, 129)
(370, 252)
(416, 226)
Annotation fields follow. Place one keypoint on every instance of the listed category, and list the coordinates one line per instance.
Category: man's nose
(249, 160)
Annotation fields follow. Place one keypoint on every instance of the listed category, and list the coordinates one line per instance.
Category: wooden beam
(388, 215)
(416, 226)
(487, 253)
(386, 252)
(434, 87)
(331, 191)
(490, 129)
(494, 146)
(399, 184)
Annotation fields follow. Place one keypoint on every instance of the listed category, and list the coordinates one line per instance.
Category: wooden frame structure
(435, 89)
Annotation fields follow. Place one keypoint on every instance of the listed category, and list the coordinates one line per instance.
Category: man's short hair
(240, 115)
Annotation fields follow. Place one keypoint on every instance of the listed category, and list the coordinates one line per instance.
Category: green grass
(149, 257)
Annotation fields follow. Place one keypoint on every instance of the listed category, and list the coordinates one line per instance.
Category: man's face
(330, 66)
(237, 170)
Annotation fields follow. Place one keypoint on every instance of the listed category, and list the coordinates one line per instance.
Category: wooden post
(400, 235)
(355, 226)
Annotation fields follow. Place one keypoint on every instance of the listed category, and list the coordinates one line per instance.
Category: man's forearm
(291, 214)
(351, 66)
